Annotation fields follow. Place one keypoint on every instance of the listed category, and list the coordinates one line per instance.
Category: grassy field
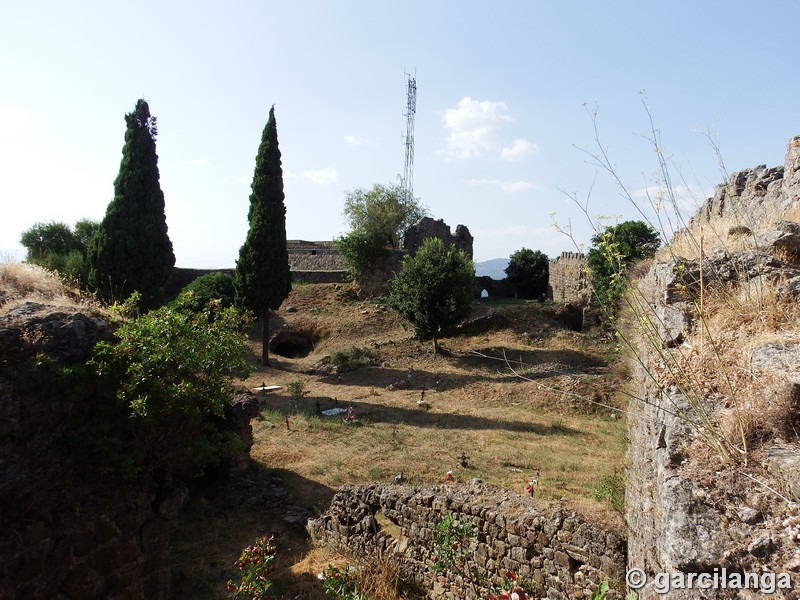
(482, 421)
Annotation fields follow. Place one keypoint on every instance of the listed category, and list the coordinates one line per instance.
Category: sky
(512, 100)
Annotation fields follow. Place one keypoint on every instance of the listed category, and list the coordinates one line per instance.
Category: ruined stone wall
(564, 555)
(429, 228)
(314, 256)
(683, 516)
(569, 280)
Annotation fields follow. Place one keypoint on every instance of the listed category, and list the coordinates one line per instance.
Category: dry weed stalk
(708, 369)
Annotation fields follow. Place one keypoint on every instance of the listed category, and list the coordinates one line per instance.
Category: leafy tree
(361, 252)
(83, 232)
(614, 250)
(434, 288)
(384, 212)
(204, 289)
(528, 270)
(48, 238)
(262, 279)
(55, 246)
(131, 251)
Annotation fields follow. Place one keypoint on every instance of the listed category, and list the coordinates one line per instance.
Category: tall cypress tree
(262, 278)
(131, 251)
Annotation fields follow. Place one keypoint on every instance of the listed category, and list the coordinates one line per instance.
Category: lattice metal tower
(407, 182)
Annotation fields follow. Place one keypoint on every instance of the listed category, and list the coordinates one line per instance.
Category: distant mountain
(494, 268)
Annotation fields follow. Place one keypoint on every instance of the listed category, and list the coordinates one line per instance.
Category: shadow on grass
(368, 413)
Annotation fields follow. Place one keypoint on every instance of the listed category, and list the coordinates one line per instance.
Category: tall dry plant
(703, 370)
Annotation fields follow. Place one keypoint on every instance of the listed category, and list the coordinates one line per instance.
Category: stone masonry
(569, 281)
(751, 237)
(428, 228)
(563, 555)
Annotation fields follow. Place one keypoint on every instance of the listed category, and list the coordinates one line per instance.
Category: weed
(254, 565)
(612, 488)
(354, 358)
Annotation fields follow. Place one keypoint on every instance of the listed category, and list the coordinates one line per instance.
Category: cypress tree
(262, 279)
(131, 251)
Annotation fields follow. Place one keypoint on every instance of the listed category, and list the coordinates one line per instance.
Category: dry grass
(24, 281)
(507, 430)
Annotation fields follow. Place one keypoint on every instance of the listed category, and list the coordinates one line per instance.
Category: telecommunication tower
(407, 182)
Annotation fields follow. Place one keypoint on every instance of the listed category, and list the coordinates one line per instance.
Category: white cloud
(519, 149)
(201, 162)
(506, 186)
(684, 199)
(322, 176)
(472, 125)
(356, 140)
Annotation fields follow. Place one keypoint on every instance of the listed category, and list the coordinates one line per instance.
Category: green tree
(378, 219)
(131, 251)
(528, 270)
(433, 289)
(614, 250)
(53, 237)
(262, 279)
(55, 246)
(361, 252)
(383, 212)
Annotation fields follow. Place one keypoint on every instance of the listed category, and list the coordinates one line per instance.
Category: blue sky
(501, 107)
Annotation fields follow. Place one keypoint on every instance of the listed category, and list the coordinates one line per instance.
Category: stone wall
(566, 556)
(569, 280)
(687, 512)
(429, 228)
(314, 256)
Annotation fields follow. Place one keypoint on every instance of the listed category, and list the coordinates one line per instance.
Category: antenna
(407, 183)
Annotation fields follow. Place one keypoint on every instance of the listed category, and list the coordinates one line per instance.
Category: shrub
(172, 371)
(612, 488)
(354, 358)
(254, 566)
(212, 286)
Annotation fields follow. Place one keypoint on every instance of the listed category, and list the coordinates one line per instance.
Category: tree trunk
(435, 346)
(265, 339)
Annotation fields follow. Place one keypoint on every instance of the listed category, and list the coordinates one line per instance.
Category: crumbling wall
(565, 556)
(429, 228)
(569, 281)
(685, 516)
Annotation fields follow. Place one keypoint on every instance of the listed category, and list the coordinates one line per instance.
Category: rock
(776, 357)
(761, 546)
(674, 322)
(748, 515)
(739, 230)
(296, 517)
(290, 309)
(784, 238)
(789, 288)
(784, 463)
(692, 535)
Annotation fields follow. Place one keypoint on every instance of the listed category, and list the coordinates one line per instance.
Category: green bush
(354, 358)
(212, 286)
(172, 371)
